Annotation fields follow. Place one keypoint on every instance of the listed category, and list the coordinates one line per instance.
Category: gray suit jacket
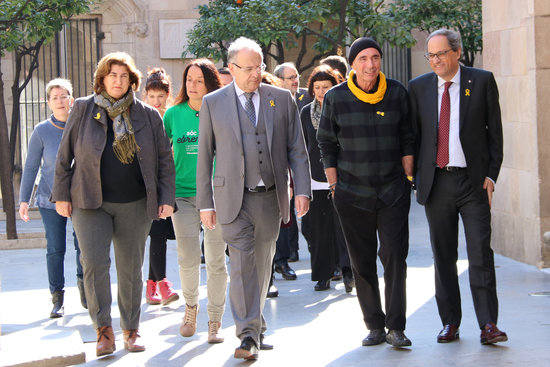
(220, 138)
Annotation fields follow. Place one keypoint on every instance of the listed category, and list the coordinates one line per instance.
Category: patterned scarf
(124, 145)
(371, 98)
(315, 113)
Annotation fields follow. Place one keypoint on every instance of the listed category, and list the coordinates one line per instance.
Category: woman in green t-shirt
(182, 127)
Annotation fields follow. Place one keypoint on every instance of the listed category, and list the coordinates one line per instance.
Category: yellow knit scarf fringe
(371, 98)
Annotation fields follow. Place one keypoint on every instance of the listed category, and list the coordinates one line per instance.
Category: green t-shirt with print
(182, 127)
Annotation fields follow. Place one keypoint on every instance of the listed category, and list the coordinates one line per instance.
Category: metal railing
(73, 55)
(396, 63)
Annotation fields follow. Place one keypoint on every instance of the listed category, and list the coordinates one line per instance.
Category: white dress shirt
(456, 154)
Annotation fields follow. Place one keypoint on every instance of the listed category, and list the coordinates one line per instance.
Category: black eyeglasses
(292, 77)
(250, 69)
(441, 55)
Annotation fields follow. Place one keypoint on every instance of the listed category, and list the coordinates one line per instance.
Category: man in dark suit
(456, 117)
(254, 133)
(287, 243)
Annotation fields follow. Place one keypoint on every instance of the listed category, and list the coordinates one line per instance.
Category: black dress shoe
(293, 257)
(398, 339)
(286, 271)
(248, 350)
(264, 346)
(349, 282)
(272, 292)
(448, 334)
(375, 337)
(322, 285)
(337, 274)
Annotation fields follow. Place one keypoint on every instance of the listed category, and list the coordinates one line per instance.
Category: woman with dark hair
(182, 126)
(326, 233)
(114, 174)
(159, 290)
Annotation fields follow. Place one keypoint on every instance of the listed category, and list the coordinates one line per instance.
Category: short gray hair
(59, 83)
(242, 43)
(453, 37)
(280, 69)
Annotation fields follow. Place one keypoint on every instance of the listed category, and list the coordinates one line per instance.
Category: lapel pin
(380, 113)
(98, 116)
(301, 97)
(271, 103)
(467, 92)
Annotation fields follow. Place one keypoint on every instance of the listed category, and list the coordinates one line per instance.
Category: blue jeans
(56, 231)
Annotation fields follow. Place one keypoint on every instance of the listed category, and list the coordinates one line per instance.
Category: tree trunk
(5, 167)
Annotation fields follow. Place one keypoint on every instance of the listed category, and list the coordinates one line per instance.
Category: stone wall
(136, 27)
(517, 51)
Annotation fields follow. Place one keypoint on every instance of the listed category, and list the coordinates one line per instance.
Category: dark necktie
(249, 108)
(443, 131)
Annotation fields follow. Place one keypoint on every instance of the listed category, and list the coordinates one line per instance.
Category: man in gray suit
(254, 134)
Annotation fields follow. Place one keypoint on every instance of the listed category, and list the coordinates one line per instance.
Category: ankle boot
(151, 294)
(57, 300)
(167, 295)
(130, 341)
(189, 324)
(80, 285)
(105, 341)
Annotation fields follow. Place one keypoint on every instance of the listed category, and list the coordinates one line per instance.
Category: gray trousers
(251, 239)
(127, 225)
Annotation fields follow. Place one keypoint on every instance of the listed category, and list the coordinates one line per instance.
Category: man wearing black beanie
(367, 150)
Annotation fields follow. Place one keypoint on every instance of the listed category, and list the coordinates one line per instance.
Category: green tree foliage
(25, 25)
(280, 25)
(463, 16)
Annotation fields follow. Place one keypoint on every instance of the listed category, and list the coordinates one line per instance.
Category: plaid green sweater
(365, 142)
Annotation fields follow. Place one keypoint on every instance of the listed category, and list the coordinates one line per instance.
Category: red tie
(443, 133)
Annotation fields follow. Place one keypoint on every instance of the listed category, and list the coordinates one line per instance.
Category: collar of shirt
(242, 98)
(456, 80)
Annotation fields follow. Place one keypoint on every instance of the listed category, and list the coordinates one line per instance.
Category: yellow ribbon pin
(271, 103)
(98, 116)
(380, 113)
(301, 97)
(467, 93)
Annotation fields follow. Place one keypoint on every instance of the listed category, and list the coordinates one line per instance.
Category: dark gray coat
(84, 141)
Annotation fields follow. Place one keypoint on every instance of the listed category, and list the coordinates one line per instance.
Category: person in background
(326, 235)
(225, 76)
(336, 62)
(287, 242)
(339, 64)
(114, 174)
(182, 127)
(272, 291)
(159, 289)
(367, 147)
(41, 154)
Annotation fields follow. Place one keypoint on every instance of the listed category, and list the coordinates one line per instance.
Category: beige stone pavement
(307, 328)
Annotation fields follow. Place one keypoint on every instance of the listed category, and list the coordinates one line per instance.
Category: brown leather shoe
(130, 341)
(490, 334)
(448, 334)
(105, 341)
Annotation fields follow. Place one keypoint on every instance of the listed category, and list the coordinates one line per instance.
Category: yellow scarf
(371, 98)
